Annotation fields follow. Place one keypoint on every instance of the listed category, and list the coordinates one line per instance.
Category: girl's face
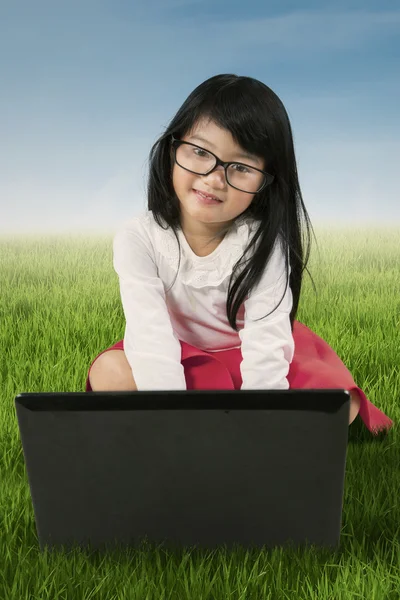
(197, 217)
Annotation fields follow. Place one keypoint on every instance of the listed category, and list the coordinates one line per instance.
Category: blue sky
(87, 87)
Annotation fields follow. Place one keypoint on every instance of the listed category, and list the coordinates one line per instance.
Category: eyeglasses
(240, 176)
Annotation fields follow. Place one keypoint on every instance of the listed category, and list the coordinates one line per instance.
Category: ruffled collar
(198, 271)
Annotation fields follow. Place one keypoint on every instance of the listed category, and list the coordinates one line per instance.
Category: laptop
(186, 469)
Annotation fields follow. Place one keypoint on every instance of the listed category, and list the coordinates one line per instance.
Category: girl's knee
(355, 403)
(111, 372)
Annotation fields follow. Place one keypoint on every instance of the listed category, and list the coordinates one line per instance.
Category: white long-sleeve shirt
(146, 257)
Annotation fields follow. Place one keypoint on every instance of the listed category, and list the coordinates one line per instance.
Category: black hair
(258, 123)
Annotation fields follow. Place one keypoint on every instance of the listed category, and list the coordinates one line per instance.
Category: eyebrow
(240, 154)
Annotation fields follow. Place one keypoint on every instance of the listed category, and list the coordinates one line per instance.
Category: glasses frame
(268, 177)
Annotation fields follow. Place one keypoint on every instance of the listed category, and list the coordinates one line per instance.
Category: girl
(210, 276)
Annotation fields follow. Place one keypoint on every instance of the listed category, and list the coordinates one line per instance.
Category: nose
(216, 177)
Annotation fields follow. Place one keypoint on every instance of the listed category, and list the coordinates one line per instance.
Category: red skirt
(315, 365)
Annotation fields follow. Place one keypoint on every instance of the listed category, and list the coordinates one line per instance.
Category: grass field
(60, 307)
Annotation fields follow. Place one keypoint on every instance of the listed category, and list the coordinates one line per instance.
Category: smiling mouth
(207, 196)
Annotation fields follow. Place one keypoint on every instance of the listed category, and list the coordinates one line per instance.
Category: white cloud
(350, 181)
(342, 181)
(307, 30)
(38, 207)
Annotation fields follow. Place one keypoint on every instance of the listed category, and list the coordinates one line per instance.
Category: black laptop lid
(204, 468)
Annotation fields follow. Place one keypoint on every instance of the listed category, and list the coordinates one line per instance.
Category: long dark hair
(258, 122)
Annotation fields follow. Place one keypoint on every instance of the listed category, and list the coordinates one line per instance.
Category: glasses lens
(245, 178)
(200, 161)
(194, 158)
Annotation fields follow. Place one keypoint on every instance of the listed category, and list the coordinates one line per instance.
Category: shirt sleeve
(151, 347)
(268, 345)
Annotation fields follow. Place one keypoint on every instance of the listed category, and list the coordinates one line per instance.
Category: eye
(197, 151)
(246, 170)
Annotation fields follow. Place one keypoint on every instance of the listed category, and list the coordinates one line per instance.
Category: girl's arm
(267, 344)
(151, 348)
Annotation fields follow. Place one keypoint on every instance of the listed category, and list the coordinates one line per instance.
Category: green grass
(60, 307)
